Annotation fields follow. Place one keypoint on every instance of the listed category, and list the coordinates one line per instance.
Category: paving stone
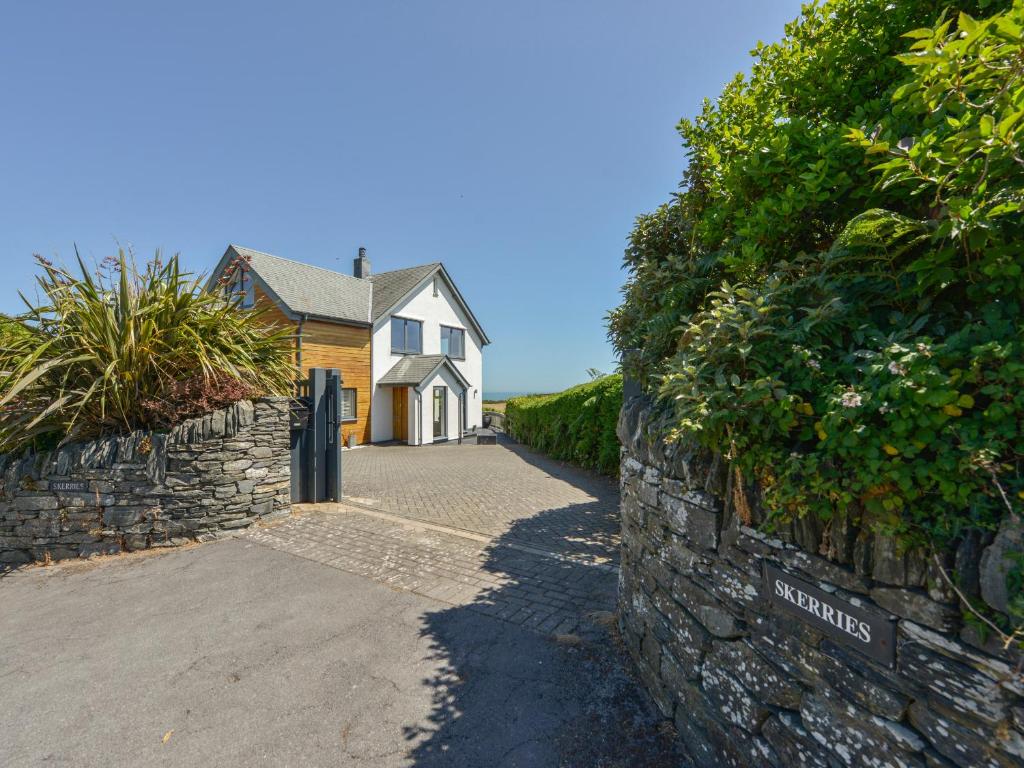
(502, 490)
(531, 589)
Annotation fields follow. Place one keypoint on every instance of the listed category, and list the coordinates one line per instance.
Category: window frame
(404, 350)
(441, 341)
(443, 422)
(355, 405)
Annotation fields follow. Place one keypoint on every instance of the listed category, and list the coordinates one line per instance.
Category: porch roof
(413, 370)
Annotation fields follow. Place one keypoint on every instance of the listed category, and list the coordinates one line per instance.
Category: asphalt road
(232, 654)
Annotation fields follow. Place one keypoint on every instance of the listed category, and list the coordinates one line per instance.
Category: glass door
(440, 412)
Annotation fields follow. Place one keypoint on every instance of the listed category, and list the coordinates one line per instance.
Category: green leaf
(1008, 122)
(919, 34)
(966, 23)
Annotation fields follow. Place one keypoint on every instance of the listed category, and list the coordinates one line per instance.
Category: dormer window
(240, 287)
(406, 336)
(453, 342)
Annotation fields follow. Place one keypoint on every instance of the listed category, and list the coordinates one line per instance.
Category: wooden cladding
(333, 345)
(347, 348)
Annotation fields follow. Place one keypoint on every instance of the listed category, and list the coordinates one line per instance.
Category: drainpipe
(462, 406)
(419, 417)
(298, 343)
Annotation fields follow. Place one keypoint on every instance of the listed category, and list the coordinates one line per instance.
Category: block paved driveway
(498, 529)
(504, 490)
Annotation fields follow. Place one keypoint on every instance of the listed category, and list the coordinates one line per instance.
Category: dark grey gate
(316, 438)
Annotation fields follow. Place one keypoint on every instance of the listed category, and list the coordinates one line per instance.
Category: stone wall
(748, 685)
(205, 477)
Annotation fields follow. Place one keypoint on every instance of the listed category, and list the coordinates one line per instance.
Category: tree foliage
(123, 347)
(833, 299)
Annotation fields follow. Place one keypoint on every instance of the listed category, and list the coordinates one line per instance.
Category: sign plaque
(69, 486)
(867, 632)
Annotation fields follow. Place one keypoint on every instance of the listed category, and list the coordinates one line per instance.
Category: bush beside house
(577, 425)
(123, 347)
(828, 325)
(834, 299)
(137, 410)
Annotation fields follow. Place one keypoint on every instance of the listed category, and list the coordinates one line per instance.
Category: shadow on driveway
(508, 694)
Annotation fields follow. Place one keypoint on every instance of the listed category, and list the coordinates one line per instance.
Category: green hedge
(835, 297)
(577, 425)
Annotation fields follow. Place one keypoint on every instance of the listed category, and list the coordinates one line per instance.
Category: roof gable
(305, 289)
(390, 288)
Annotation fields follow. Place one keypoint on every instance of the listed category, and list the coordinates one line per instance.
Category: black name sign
(869, 633)
(69, 486)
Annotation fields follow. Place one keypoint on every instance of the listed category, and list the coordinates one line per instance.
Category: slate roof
(413, 370)
(391, 287)
(306, 289)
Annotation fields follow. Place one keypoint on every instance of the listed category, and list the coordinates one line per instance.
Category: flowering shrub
(196, 396)
(834, 298)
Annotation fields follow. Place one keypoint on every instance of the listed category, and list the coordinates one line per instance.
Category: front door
(440, 412)
(400, 425)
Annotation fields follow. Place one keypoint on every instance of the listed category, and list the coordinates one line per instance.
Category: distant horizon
(499, 395)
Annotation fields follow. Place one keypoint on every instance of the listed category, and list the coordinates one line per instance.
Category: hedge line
(835, 298)
(577, 425)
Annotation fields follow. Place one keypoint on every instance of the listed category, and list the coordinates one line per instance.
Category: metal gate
(316, 437)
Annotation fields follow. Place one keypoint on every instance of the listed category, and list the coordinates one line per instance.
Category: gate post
(332, 454)
(316, 439)
(299, 415)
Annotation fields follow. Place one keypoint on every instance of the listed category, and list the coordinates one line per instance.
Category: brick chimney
(361, 265)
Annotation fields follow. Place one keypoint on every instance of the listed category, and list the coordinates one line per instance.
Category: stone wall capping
(748, 684)
(147, 489)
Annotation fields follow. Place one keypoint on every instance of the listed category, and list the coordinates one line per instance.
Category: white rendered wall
(433, 311)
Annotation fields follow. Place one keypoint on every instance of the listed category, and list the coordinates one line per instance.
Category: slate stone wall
(205, 477)
(748, 686)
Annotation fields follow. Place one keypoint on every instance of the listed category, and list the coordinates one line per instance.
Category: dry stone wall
(204, 478)
(750, 684)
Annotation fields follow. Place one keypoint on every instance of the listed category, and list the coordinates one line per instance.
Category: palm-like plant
(122, 348)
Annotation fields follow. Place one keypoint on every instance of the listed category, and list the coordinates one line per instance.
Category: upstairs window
(453, 342)
(240, 287)
(406, 336)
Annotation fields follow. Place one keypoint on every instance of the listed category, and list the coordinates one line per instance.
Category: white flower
(851, 399)
(896, 369)
(884, 409)
(812, 363)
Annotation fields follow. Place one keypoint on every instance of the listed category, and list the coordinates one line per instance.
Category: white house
(409, 348)
(427, 358)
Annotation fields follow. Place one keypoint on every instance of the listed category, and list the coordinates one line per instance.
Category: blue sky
(515, 142)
